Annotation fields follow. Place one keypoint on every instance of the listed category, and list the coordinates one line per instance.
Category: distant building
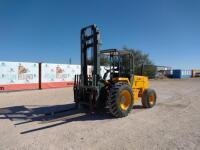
(163, 71)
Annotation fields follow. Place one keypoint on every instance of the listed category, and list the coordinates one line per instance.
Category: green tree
(142, 59)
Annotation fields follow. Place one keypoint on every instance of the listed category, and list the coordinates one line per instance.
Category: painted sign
(63, 72)
(18, 73)
(59, 72)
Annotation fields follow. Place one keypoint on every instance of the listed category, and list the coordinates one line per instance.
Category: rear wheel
(149, 98)
(120, 101)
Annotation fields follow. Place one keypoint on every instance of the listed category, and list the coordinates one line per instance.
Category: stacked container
(179, 73)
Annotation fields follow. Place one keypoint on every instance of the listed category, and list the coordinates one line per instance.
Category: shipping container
(178, 73)
(195, 72)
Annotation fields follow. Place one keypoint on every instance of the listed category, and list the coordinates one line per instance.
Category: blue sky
(48, 30)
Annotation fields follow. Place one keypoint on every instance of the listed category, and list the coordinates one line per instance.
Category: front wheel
(149, 98)
(120, 101)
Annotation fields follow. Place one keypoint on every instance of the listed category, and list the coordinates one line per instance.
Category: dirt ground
(174, 123)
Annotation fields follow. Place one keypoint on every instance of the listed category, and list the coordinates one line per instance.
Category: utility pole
(70, 60)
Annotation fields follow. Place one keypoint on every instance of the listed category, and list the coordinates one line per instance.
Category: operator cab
(119, 63)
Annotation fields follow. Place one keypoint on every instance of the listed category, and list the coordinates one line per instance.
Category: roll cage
(119, 62)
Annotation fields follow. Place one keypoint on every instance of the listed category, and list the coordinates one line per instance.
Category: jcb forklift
(118, 89)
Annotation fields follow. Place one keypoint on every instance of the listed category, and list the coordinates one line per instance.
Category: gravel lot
(174, 123)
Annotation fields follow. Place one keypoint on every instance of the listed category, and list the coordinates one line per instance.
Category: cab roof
(114, 52)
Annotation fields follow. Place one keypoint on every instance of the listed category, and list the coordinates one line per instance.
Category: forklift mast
(90, 39)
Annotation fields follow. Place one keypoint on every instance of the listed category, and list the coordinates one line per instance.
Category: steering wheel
(107, 68)
(110, 69)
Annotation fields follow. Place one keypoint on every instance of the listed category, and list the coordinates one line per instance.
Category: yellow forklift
(118, 89)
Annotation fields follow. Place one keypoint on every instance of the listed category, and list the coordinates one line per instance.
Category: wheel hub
(124, 100)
